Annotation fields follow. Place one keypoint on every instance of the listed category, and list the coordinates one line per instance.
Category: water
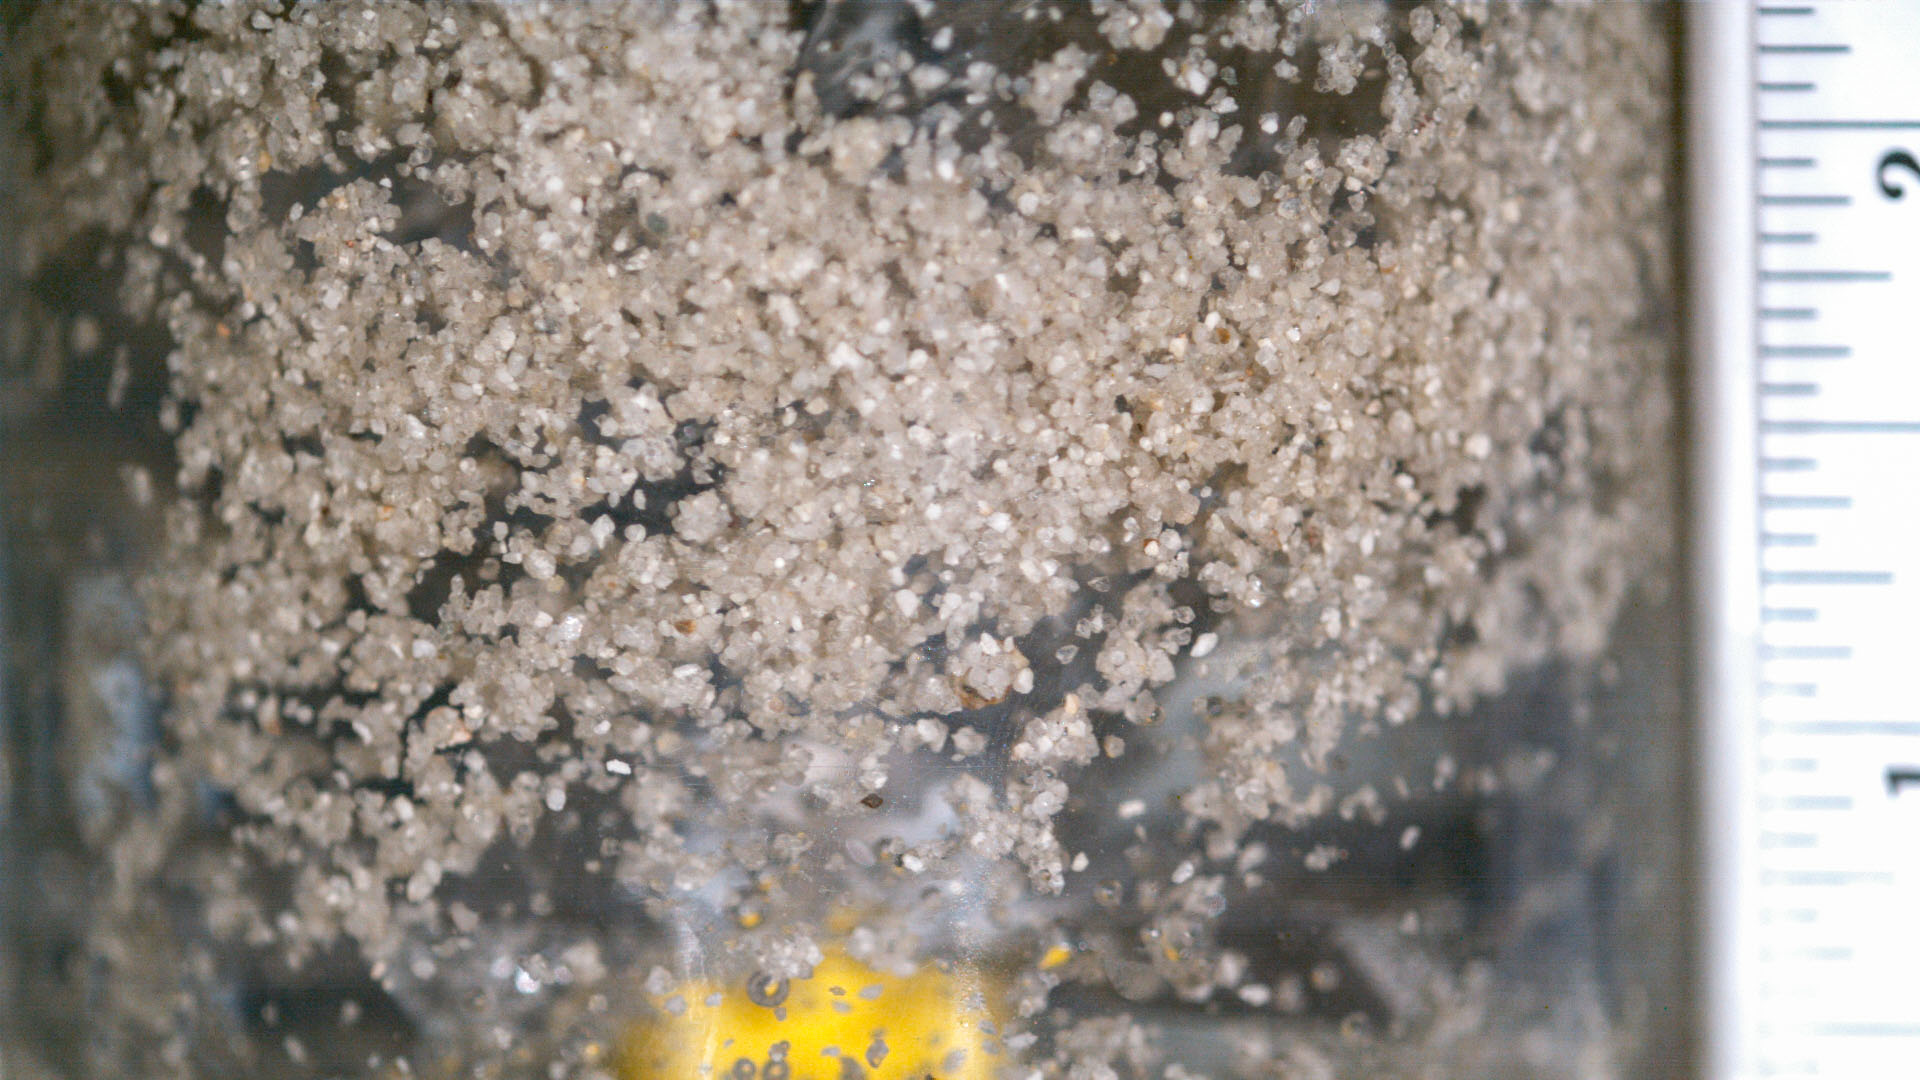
(542, 539)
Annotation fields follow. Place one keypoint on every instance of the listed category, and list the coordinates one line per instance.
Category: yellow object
(847, 1021)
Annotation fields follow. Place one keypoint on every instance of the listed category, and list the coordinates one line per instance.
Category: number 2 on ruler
(1896, 159)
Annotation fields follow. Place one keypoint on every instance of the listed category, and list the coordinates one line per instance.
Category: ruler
(1804, 162)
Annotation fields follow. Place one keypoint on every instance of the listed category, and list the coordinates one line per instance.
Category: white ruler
(1804, 145)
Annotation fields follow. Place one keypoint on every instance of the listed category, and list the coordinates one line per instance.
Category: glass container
(840, 539)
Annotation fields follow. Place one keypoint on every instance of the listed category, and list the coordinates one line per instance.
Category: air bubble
(766, 991)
